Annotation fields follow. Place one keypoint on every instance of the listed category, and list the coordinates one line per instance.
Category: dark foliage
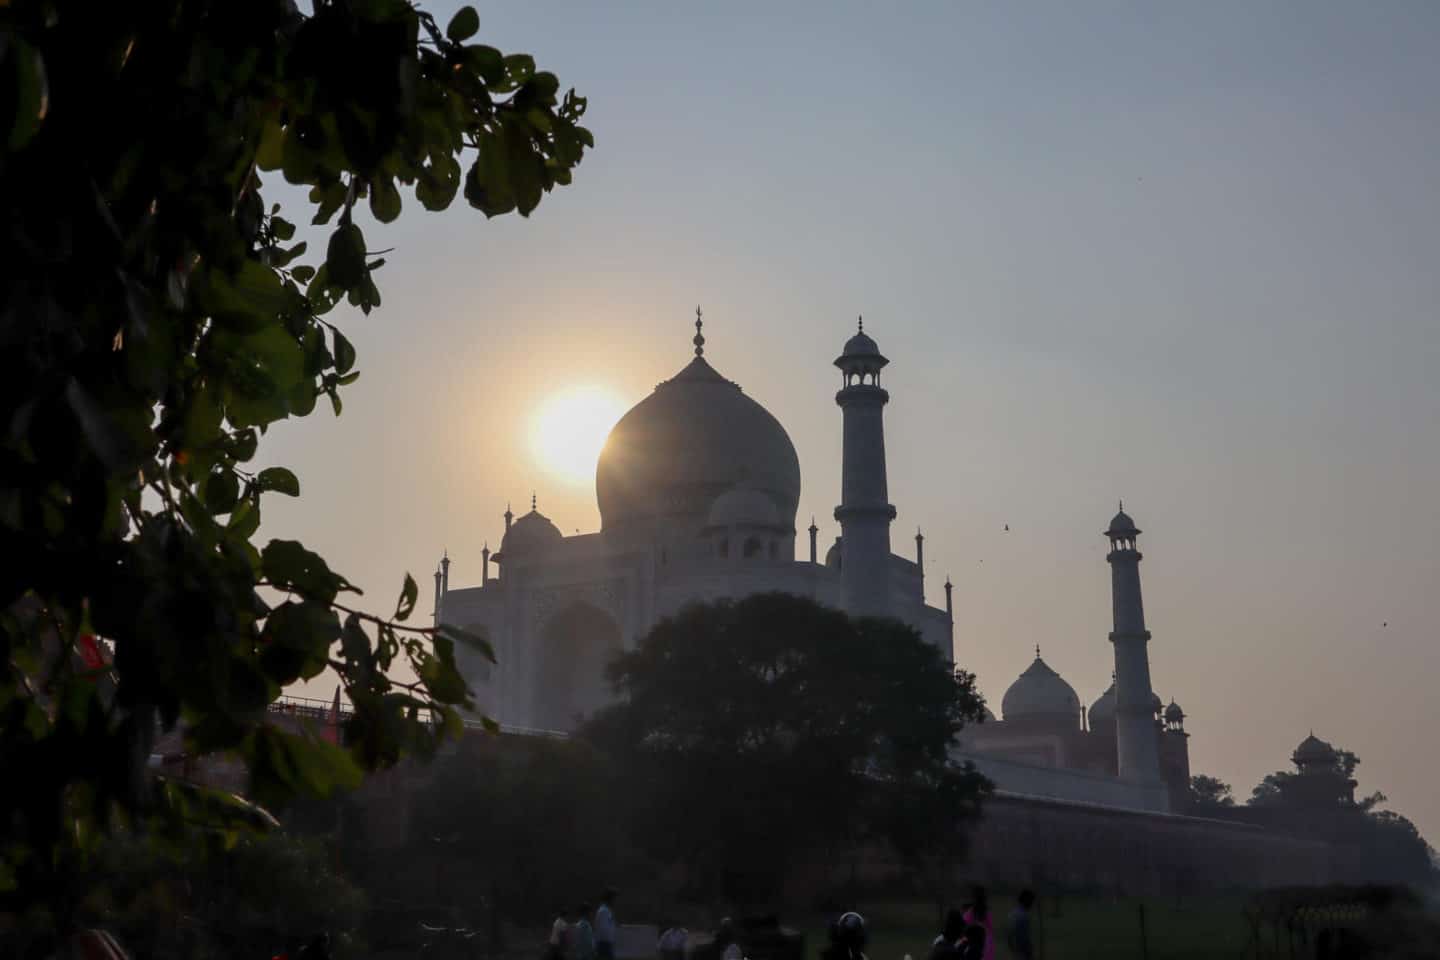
(750, 732)
(155, 319)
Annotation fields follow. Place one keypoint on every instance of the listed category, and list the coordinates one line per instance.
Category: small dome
(832, 556)
(1040, 692)
(1173, 713)
(1103, 708)
(528, 534)
(1313, 750)
(1156, 704)
(861, 353)
(744, 506)
(1121, 525)
(861, 345)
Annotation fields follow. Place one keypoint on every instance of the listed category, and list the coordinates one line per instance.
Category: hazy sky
(1187, 256)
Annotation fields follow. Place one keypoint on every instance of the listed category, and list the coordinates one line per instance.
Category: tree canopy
(1210, 793)
(750, 731)
(157, 318)
(1388, 846)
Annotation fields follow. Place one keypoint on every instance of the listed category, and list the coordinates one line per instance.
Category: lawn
(1070, 928)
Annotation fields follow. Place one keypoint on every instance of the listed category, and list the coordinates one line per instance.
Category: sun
(570, 429)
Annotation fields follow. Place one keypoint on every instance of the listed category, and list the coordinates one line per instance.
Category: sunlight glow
(570, 429)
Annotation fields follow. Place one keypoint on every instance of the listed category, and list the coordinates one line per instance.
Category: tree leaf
(222, 490)
(384, 199)
(280, 480)
(345, 256)
(32, 91)
(464, 25)
(409, 593)
(289, 566)
(344, 353)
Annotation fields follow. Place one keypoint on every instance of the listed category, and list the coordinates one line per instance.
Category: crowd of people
(968, 934)
(583, 933)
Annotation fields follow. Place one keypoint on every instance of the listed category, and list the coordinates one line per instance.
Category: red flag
(332, 722)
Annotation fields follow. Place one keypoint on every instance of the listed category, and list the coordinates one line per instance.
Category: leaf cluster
(156, 318)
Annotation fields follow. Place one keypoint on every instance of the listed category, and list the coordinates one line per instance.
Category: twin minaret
(865, 511)
(1136, 734)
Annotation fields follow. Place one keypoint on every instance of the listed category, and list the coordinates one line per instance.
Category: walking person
(605, 927)
(979, 928)
(1022, 943)
(559, 936)
(847, 938)
(725, 942)
(582, 936)
(673, 943)
(946, 945)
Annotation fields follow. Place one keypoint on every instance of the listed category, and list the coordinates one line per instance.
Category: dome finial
(532, 499)
(860, 323)
(699, 340)
(1037, 651)
(1122, 506)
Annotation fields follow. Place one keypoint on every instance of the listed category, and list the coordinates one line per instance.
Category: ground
(1072, 928)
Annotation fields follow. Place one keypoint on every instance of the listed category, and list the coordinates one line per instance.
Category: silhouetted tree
(1210, 793)
(157, 320)
(753, 730)
(1388, 846)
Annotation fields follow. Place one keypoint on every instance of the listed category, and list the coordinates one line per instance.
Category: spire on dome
(532, 499)
(1037, 651)
(860, 323)
(699, 340)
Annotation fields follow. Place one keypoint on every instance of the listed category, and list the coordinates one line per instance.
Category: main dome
(693, 439)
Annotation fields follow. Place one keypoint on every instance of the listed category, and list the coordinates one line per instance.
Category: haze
(1187, 257)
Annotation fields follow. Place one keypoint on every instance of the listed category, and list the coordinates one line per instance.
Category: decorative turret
(485, 564)
(1136, 731)
(865, 512)
(814, 531)
(1174, 718)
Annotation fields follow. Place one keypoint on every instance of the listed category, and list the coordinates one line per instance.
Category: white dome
(529, 534)
(744, 506)
(690, 441)
(1041, 692)
(1103, 709)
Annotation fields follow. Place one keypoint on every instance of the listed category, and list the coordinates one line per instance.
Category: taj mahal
(698, 487)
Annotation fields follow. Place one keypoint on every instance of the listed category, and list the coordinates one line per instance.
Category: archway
(575, 648)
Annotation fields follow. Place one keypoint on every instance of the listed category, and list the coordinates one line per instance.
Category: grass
(1068, 928)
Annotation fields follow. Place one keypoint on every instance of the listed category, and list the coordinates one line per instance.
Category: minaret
(950, 612)
(485, 564)
(920, 551)
(1136, 741)
(436, 615)
(509, 518)
(865, 511)
(813, 531)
